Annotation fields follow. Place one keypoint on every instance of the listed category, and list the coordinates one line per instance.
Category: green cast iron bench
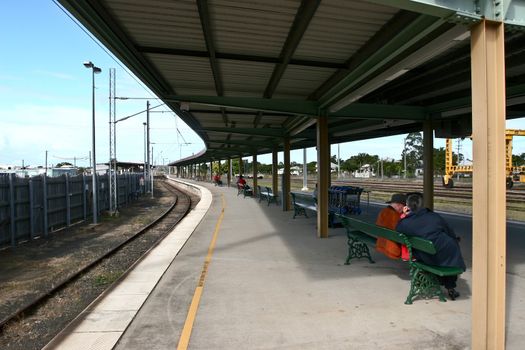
(301, 202)
(424, 280)
(267, 195)
(246, 190)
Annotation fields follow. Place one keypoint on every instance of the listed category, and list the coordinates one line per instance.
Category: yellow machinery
(514, 173)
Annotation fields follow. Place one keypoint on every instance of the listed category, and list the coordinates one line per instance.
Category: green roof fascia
(380, 111)
(410, 35)
(286, 106)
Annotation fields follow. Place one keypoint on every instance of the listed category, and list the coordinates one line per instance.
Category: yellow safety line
(194, 306)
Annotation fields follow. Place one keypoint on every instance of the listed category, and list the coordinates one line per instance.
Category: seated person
(424, 223)
(389, 217)
(217, 180)
(241, 182)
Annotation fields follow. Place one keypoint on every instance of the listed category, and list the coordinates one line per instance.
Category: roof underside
(256, 72)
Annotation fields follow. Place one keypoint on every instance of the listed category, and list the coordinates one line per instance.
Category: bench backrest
(305, 198)
(377, 231)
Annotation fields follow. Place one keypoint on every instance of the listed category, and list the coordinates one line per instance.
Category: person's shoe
(453, 294)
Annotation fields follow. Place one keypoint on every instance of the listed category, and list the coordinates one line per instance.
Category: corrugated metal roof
(339, 28)
(252, 27)
(239, 60)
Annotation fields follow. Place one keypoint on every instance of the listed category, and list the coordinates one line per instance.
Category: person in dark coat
(424, 223)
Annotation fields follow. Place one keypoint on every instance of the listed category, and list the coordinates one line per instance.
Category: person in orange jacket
(389, 217)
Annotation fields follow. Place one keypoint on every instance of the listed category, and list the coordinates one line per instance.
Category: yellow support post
(323, 176)
(428, 164)
(254, 174)
(286, 175)
(488, 190)
(275, 183)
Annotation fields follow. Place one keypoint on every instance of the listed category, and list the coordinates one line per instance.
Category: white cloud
(57, 75)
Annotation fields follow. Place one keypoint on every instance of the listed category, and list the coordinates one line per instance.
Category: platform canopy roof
(245, 75)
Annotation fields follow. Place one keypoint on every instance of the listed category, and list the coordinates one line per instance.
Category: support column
(488, 188)
(275, 179)
(229, 176)
(323, 176)
(428, 164)
(211, 171)
(286, 175)
(254, 168)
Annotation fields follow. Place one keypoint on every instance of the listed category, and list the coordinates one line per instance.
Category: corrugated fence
(33, 207)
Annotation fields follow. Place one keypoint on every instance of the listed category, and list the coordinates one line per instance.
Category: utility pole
(147, 143)
(305, 172)
(338, 162)
(46, 162)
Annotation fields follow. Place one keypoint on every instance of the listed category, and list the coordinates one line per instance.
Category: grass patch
(107, 278)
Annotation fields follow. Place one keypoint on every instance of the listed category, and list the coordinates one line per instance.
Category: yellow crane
(514, 173)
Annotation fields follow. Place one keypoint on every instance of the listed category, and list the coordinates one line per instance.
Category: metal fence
(33, 207)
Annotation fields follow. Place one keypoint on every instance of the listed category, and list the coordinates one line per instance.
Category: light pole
(145, 157)
(94, 70)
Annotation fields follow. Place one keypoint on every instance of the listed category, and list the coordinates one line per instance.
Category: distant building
(64, 169)
(366, 171)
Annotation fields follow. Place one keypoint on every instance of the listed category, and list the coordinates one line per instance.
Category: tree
(413, 151)
(439, 160)
(311, 167)
(63, 164)
(392, 168)
(518, 160)
(355, 162)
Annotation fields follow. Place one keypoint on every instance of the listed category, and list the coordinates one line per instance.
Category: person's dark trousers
(448, 281)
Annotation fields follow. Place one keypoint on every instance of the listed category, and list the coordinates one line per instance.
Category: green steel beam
(266, 132)
(287, 106)
(302, 19)
(391, 52)
(512, 91)
(204, 15)
(511, 12)
(244, 142)
(380, 111)
(237, 57)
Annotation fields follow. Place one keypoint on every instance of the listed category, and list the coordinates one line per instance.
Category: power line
(102, 47)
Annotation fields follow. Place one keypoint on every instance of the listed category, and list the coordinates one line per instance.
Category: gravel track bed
(32, 268)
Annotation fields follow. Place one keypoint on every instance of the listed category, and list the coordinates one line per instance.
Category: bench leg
(425, 285)
(299, 211)
(357, 249)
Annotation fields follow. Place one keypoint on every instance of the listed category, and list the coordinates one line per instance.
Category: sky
(46, 99)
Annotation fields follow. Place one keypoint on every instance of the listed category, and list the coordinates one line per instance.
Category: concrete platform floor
(272, 284)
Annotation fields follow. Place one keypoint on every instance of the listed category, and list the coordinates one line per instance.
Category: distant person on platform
(424, 223)
(217, 179)
(241, 182)
(389, 217)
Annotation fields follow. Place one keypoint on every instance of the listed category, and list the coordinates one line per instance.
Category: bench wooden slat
(439, 270)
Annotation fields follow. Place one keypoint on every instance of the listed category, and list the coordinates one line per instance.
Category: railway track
(137, 245)
(516, 195)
